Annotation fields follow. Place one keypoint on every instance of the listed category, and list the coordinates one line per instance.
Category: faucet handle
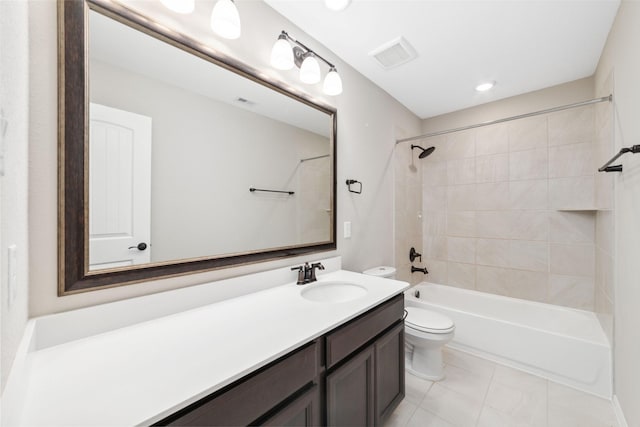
(301, 274)
(312, 271)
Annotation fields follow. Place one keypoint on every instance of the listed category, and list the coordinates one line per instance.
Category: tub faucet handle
(413, 254)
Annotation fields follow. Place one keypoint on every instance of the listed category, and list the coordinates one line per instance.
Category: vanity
(268, 357)
(359, 366)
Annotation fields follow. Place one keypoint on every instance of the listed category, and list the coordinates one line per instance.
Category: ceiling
(522, 45)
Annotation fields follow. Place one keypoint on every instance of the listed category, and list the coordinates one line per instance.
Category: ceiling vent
(393, 53)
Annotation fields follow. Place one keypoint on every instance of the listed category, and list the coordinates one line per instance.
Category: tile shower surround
(509, 208)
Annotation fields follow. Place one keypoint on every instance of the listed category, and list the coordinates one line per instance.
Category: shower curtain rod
(313, 158)
(508, 119)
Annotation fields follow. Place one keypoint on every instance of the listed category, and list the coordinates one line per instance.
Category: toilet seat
(424, 320)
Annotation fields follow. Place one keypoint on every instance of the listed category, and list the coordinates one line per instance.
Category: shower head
(425, 151)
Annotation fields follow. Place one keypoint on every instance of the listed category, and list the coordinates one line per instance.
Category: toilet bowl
(425, 333)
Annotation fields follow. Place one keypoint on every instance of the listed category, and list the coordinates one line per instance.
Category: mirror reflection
(175, 145)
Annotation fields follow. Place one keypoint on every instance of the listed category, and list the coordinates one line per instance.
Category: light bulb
(225, 20)
(282, 54)
(485, 86)
(337, 5)
(332, 83)
(310, 70)
(179, 6)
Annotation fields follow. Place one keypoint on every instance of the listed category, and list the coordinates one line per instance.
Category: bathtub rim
(603, 340)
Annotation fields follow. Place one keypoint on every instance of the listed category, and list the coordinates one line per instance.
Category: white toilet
(425, 332)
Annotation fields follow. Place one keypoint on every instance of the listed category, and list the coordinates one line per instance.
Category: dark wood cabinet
(350, 392)
(346, 339)
(303, 411)
(389, 372)
(351, 376)
(252, 397)
(365, 388)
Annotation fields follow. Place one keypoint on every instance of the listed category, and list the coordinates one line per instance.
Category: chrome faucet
(307, 273)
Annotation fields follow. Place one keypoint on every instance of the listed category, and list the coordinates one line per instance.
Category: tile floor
(480, 393)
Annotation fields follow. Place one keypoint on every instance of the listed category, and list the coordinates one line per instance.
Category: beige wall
(14, 102)
(367, 121)
(509, 208)
(620, 57)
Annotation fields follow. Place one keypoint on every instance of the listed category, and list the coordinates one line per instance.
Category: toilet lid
(427, 320)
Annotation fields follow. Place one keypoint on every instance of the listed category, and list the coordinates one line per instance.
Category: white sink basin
(333, 292)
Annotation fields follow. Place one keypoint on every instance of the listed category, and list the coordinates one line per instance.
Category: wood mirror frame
(73, 249)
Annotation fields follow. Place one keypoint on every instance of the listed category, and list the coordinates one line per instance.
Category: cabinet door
(304, 411)
(389, 367)
(350, 392)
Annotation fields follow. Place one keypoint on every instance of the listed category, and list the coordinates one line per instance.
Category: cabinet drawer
(303, 411)
(348, 338)
(245, 401)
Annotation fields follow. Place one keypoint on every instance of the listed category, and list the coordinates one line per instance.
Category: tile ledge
(583, 209)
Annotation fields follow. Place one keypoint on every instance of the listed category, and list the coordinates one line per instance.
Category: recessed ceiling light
(337, 5)
(483, 87)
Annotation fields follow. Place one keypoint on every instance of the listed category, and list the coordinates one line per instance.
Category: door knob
(140, 246)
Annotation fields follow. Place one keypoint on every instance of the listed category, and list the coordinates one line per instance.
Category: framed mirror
(175, 159)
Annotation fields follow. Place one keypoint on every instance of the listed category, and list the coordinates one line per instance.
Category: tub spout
(422, 270)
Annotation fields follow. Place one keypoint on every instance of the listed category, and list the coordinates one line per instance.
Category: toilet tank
(382, 271)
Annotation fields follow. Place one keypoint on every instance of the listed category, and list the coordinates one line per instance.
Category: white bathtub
(562, 344)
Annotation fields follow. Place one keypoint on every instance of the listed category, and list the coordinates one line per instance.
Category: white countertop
(139, 374)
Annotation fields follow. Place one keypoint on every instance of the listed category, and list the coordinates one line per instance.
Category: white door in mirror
(119, 188)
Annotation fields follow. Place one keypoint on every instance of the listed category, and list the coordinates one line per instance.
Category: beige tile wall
(509, 209)
(408, 201)
(604, 255)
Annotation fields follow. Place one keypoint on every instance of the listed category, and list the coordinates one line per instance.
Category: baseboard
(622, 422)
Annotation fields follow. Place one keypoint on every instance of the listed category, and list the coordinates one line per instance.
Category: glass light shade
(282, 55)
(179, 6)
(310, 70)
(332, 83)
(337, 5)
(225, 20)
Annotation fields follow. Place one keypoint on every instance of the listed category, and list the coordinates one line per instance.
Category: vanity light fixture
(310, 69)
(225, 20)
(282, 54)
(483, 87)
(284, 57)
(332, 83)
(179, 6)
(337, 5)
